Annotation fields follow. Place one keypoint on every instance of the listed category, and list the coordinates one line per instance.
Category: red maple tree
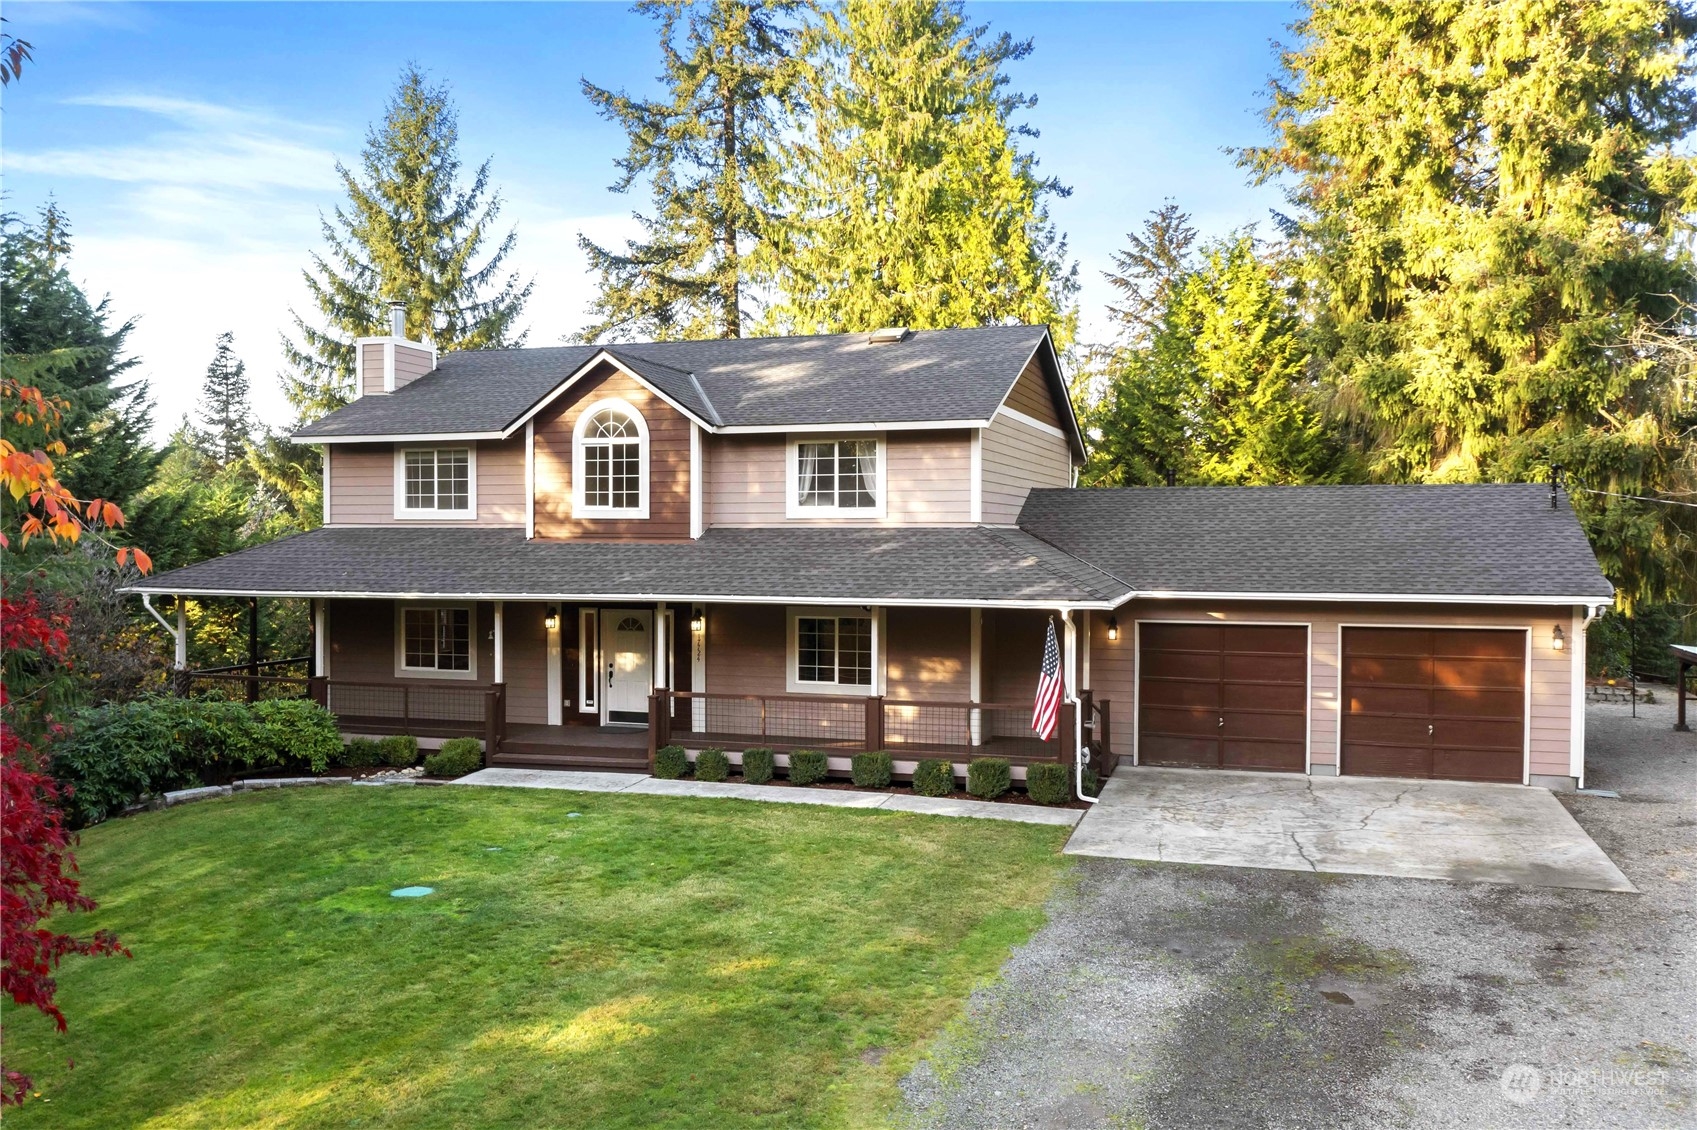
(37, 870)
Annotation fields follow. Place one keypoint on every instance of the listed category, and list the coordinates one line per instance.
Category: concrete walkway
(830, 798)
(1346, 825)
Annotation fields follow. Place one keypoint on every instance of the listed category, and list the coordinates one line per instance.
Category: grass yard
(652, 962)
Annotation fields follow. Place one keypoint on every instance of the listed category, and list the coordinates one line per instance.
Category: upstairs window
(842, 477)
(436, 640)
(435, 482)
(610, 462)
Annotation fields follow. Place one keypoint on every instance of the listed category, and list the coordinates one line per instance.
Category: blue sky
(194, 144)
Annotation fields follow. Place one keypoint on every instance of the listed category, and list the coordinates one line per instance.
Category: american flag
(1047, 709)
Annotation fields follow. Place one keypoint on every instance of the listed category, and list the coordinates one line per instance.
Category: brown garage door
(1222, 696)
(1434, 702)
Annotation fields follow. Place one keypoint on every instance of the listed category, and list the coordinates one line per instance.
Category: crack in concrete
(1396, 800)
(1296, 843)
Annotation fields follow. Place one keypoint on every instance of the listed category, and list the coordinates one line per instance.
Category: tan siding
(1017, 457)
(362, 485)
(928, 654)
(412, 362)
(930, 481)
(745, 649)
(371, 369)
(1113, 664)
(1032, 396)
(668, 454)
(527, 663)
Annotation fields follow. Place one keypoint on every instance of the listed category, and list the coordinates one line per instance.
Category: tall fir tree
(225, 413)
(907, 198)
(706, 150)
(53, 337)
(1496, 199)
(1145, 273)
(410, 233)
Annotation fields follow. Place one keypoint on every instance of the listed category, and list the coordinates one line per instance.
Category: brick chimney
(384, 364)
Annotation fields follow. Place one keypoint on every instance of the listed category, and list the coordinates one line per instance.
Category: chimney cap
(398, 319)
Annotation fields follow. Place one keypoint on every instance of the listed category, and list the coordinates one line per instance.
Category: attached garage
(1445, 703)
(1223, 696)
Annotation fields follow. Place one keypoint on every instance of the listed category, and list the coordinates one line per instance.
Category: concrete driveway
(1345, 825)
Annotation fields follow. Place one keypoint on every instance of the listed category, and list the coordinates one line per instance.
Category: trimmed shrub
(1092, 783)
(456, 758)
(671, 762)
(872, 770)
(399, 750)
(712, 765)
(1048, 782)
(362, 753)
(757, 765)
(807, 767)
(118, 753)
(988, 777)
(934, 778)
(295, 731)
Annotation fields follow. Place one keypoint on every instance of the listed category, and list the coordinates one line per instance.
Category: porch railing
(422, 709)
(843, 724)
(243, 681)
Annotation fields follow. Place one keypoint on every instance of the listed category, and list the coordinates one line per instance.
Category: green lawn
(651, 962)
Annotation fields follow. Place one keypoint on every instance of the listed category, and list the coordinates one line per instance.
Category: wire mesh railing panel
(239, 688)
(964, 729)
(781, 720)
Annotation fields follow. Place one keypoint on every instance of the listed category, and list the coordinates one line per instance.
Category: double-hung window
(436, 640)
(832, 651)
(435, 482)
(836, 477)
(610, 462)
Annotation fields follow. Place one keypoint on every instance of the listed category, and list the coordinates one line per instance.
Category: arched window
(610, 462)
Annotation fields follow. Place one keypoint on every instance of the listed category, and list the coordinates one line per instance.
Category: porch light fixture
(698, 622)
(1558, 640)
(552, 620)
(1113, 628)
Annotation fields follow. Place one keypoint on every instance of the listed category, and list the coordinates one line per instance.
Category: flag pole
(1069, 679)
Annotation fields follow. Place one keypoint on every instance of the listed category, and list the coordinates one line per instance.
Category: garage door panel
(1175, 692)
(1504, 673)
(1181, 637)
(1284, 757)
(1265, 668)
(1249, 724)
(1160, 749)
(1411, 642)
(1477, 703)
(1181, 720)
(1387, 761)
(1262, 696)
(1263, 639)
(1183, 664)
(1477, 765)
(1370, 699)
(1454, 732)
(1479, 643)
(1393, 728)
(1408, 671)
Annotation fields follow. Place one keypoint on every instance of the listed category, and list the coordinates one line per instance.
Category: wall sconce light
(1113, 628)
(698, 622)
(552, 620)
(1558, 640)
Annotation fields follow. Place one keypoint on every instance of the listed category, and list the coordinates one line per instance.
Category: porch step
(527, 755)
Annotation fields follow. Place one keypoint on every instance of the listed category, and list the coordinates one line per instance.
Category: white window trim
(792, 475)
(402, 671)
(588, 664)
(404, 513)
(581, 509)
(792, 656)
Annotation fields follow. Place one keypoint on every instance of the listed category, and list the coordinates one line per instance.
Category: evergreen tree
(1146, 272)
(907, 200)
(224, 409)
(707, 151)
(53, 337)
(408, 233)
(1496, 200)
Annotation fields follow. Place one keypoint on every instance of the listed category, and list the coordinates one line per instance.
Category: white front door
(627, 642)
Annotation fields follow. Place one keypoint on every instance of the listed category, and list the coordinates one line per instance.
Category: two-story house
(858, 541)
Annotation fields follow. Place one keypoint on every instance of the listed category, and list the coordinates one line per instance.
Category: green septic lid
(411, 892)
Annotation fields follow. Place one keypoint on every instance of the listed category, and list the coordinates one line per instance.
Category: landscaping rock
(188, 796)
(287, 782)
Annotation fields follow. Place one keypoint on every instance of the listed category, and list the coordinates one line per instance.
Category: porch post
(698, 668)
(662, 648)
(253, 649)
(500, 642)
(975, 717)
(321, 638)
(180, 661)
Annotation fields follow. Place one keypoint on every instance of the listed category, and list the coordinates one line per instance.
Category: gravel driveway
(1171, 995)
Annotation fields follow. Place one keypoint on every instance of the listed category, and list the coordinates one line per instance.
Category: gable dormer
(384, 364)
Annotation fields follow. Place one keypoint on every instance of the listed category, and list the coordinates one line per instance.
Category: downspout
(1070, 666)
